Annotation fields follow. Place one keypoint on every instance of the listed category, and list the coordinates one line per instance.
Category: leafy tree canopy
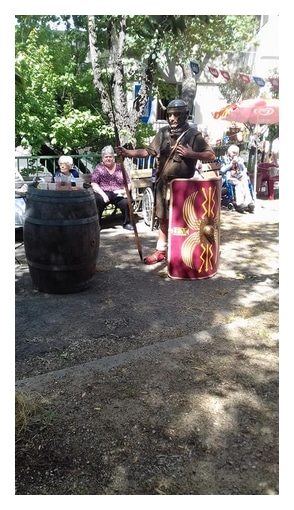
(72, 96)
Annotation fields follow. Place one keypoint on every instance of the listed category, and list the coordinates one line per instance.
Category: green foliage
(166, 90)
(58, 103)
(19, 82)
(144, 131)
(236, 90)
(78, 129)
(35, 105)
(180, 38)
(33, 168)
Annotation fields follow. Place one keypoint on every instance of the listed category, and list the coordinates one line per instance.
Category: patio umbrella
(252, 111)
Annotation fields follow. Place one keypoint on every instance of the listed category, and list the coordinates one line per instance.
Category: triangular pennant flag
(259, 81)
(244, 77)
(226, 75)
(274, 82)
(194, 67)
(213, 71)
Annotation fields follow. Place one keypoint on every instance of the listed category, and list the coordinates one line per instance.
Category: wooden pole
(132, 217)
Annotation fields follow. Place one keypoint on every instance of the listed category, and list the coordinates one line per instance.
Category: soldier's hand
(185, 151)
(120, 151)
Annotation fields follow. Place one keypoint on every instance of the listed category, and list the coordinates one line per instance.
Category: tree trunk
(109, 82)
(189, 87)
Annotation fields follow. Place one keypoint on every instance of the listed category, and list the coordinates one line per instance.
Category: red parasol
(251, 111)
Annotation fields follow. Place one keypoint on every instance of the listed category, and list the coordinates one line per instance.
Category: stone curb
(205, 337)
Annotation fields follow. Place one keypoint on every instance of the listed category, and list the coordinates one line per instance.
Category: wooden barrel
(194, 228)
(61, 239)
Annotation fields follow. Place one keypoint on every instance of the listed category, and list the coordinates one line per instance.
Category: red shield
(194, 222)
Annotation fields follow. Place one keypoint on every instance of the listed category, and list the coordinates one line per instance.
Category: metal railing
(39, 165)
(85, 163)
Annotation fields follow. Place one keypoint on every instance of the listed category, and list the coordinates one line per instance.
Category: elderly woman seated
(66, 168)
(108, 184)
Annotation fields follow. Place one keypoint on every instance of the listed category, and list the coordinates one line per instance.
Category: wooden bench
(141, 179)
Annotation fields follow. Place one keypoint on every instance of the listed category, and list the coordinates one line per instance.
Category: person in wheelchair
(234, 172)
(108, 185)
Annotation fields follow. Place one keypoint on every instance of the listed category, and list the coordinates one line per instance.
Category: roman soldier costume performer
(177, 148)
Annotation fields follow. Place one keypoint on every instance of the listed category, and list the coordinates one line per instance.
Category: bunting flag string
(246, 78)
(274, 82)
(194, 67)
(225, 74)
(213, 71)
(259, 81)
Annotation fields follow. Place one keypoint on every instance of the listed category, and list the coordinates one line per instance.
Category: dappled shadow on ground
(129, 305)
(196, 412)
(197, 418)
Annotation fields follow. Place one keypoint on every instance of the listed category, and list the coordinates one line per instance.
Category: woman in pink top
(108, 185)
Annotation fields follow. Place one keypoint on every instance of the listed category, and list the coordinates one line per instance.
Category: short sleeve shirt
(109, 182)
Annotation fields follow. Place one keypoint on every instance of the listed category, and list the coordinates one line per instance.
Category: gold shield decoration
(194, 228)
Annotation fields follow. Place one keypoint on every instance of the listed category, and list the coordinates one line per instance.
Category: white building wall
(209, 99)
(261, 59)
(267, 51)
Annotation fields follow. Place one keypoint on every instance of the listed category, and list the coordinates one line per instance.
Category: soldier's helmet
(180, 107)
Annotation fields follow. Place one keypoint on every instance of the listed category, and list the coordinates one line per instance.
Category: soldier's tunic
(178, 167)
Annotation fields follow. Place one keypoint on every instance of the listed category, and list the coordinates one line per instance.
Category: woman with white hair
(65, 164)
(234, 171)
(108, 184)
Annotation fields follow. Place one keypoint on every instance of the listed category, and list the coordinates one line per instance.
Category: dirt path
(151, 385)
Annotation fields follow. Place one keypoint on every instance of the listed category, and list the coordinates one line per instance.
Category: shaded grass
(31, 412)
